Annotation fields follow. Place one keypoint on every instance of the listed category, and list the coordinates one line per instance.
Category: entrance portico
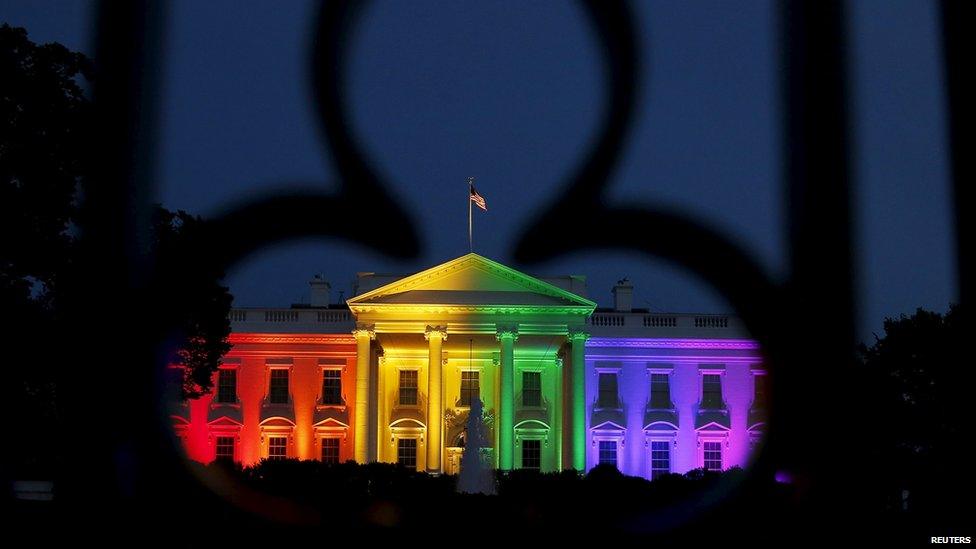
(474, 325)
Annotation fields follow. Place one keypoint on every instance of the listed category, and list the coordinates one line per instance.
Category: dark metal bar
(817, 180)
(107, 359)
(958, 17)
(959, 42)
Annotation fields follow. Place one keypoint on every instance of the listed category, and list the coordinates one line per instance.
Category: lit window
(407, 452)
(712, 456)
(330, 450)
(531, 389)
(470, 387)
(225, 449)
(408, 388)
(661, 391)
(608, 391)
(278, 391)
(227, 386)
(277, 448)
(608, 452)
(712, 391)
(332, 387)
(660, 458)
(532, 454)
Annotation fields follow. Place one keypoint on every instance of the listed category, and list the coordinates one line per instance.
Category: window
(608, 391)
(330, 450)
(661, 391)
(278, 391)
(660, 458)
(759, 397)
(408, 388)
(227, 386)
(608, 452)
(277, 448)
(470, 387)
(712, 457)
(531, 389)
(407, 451)
(332, 387)
(532, 453)
(712, 391)
(225, 448)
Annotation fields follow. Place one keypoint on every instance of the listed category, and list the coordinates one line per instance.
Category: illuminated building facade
(390, 374)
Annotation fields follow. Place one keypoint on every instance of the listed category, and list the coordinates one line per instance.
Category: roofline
(357, 300)
(447, 307)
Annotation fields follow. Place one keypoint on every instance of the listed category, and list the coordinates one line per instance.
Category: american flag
(478, 199)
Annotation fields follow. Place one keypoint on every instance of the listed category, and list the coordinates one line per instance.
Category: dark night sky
(510, 92)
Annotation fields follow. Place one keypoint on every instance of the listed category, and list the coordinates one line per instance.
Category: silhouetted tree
(44, 146)
(201, 304)
(43, 156)
(917, 405)
(47, 132)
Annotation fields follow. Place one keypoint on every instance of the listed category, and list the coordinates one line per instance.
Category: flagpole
(470, 241)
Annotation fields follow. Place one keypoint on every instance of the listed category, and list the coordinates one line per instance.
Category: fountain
(475, 476)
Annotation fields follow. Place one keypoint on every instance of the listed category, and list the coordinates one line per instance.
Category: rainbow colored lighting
(387, 385)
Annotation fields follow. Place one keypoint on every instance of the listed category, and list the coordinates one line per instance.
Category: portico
(467, 327)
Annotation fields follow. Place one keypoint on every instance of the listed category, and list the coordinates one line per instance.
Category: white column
(577, 340)
(364, 335)
(435, 336)
(507, 336)
(557, 413)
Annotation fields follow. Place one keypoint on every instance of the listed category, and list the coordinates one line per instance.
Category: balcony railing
(281, 316)
(644, 324)
(333, 316)
(291, 319)
(602, 323)
(604, 319)
(660, 321)
(711, 322)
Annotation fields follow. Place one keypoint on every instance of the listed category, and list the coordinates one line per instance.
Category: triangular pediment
(470, 280)
(609, 426)
(330, 423)
(713, 426)
(224, 421)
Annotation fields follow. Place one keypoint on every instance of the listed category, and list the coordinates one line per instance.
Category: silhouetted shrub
(390, 495)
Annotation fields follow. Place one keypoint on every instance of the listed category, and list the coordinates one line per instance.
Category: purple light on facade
(673, 343)
(783, 477)
(676, 429)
